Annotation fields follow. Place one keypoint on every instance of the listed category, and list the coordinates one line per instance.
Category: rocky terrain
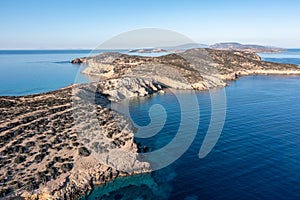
(43, 157)
(232, 64)
(49, 142)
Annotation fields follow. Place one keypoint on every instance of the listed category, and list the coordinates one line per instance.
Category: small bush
(58, 159)
(50, 164)
(33, 185)
(54, 172)
(42, 177)
(19, 149)
(39, 157)
(66, 167)
(75, 144)
(30, 144)
(4, 192)
(82, 151)
(20, 159)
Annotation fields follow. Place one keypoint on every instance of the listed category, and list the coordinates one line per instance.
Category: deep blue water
(256, 157)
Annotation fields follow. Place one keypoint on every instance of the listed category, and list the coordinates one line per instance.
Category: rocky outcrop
(79, 60)
(119, 89)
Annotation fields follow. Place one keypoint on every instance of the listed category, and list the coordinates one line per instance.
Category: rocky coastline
(43, 157)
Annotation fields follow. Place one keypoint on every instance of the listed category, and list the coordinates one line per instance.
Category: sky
(72, 24)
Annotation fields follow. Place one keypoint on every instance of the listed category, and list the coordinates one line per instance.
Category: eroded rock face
(127, 87)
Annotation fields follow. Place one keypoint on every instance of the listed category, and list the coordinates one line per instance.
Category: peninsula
(41, 153)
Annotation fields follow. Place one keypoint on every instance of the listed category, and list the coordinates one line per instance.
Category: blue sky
(50, 24)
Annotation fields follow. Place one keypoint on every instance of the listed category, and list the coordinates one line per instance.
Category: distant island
(147, 50)
(44, 157)
(245, 47)
(219, 46)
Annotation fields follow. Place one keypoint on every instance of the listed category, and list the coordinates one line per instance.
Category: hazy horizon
(96, 47)
(77, 25)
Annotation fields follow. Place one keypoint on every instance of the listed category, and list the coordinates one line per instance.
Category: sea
(257, 153)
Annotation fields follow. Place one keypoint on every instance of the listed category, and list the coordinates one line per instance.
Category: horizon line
(90, 48)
